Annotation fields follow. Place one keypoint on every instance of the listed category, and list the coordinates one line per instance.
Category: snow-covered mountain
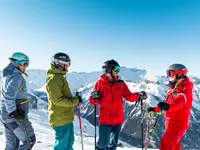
(137, 80)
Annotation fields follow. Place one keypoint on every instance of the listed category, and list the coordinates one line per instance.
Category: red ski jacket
(180, 100)
(111, 100)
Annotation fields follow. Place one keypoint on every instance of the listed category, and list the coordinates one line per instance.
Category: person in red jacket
(176, 107)
(108, 93)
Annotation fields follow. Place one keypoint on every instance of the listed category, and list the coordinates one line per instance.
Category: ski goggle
(171, 73)
(67, 63)
(25, 64)
(116, 69)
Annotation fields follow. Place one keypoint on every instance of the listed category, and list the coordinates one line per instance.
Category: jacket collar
(104, 80)
(54, 70)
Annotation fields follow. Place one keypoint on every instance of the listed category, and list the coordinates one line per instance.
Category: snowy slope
(45, 134)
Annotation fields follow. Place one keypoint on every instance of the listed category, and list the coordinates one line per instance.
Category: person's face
(67, 64)
(116, 71)
(23, 68)
(66, 67)
(172, 78)
(115, 74)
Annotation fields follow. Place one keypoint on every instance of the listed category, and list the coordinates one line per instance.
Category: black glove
(142, 95)
(163, 106)
(95, 94)
(79, 97)
(18, 114)
(150, 109)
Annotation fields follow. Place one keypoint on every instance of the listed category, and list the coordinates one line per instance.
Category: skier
(108, 93)
(60, 102)
(177, 107)
(14, 105)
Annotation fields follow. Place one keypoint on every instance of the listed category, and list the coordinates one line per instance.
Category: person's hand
(95, 94)
(79, 97)
(150, 109)
(18, 114)
(163, 106)
(142, 95)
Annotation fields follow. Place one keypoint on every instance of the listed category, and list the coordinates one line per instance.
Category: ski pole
(142, 125)
(95, 94)
(95, 123)
(80, 124)
(152, 131)
(148, 129)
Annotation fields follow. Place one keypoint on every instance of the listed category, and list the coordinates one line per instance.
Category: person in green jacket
(60, 102)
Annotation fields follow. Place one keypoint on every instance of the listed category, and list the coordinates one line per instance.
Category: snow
(132, 74)
(136, 79)
(45, 134)
(42, 89)
(36, 78)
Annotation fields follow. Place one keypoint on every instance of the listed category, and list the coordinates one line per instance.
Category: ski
(151, 133)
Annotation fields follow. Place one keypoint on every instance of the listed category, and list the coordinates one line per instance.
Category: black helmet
(110, 65)
(177, 69)
(60, 60)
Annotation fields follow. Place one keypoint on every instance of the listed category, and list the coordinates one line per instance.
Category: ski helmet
(110, 65)
(177, 69)
(20, 59)
(60, 60)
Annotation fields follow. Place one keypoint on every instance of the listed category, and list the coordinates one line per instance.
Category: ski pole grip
(95, 94)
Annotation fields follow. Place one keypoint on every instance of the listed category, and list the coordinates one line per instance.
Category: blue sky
(147, 34)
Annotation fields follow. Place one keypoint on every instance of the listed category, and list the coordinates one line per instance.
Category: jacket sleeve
(91, 98)
(181, 99)
(10, 94)
(131, 97)
(56, 96)
(156, 109)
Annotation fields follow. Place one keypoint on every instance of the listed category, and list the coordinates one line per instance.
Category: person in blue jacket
(14, 105)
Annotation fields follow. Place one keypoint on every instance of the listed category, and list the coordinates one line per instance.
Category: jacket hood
(11, 69)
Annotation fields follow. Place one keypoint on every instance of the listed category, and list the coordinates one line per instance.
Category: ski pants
(173, 135)
(64, 136)
(16, 132)
(108, 137)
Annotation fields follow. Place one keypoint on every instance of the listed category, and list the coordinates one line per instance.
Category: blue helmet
(20, 59)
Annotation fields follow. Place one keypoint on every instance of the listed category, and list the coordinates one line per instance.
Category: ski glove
(150, 109)
(95, 94)
(142, 95)
(79, 97)
(163, 106)
(18, 114)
